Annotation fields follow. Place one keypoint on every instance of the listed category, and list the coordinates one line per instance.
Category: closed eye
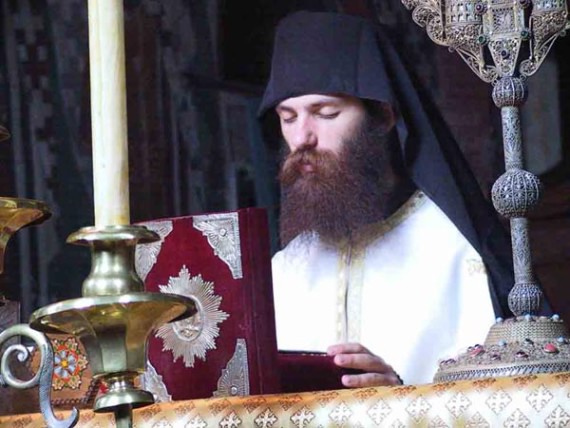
(328, 115)
(290, 119)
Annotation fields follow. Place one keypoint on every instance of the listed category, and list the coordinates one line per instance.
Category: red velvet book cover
(229, 346)
(309, 371)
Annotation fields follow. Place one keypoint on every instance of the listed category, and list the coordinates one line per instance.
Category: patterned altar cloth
(526, 401)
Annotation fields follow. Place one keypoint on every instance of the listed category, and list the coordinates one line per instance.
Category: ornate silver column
(514, 194)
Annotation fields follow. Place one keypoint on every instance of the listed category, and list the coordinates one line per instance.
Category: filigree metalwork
(234, 380)
(518, 346)
(152, 382)
(510, 92)
(547, 21)
(516, 192)
(463, 33)
(192, 337)
(521, 251)
(428, 14)
(147, 254)
(499, 27)
(42, 378)
(525, 298)
(512, 140)
(503, 23)
(222, 232)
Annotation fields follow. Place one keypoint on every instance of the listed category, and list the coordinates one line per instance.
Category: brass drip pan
(16, 213)
(113, 329)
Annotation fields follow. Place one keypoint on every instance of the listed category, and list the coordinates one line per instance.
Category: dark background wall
(195, 73)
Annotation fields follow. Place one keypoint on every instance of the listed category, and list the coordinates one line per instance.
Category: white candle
(108, 112)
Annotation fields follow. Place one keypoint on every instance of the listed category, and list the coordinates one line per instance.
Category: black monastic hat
(332, 53)
(326, 53)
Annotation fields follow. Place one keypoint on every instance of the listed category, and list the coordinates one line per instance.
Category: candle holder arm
(42, 378)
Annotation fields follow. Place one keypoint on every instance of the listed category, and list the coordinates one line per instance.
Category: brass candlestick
(493, 37)
(114, 316)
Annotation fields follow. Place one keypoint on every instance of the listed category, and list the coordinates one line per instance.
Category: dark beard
(342, 193)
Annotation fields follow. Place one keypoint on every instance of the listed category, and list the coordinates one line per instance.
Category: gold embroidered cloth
(528, 401)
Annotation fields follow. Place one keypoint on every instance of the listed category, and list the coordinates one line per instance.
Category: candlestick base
(121, 391)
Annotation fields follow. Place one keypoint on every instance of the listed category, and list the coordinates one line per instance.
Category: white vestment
(414, 293)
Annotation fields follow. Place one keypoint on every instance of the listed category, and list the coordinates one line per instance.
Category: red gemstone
(549, 348)
(477, 350)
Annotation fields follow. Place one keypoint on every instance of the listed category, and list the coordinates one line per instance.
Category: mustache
(295, 164)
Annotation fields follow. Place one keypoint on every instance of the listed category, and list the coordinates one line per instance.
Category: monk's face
(320, 122)
(334, 175)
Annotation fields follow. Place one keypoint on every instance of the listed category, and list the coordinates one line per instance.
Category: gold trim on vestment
(351, 268)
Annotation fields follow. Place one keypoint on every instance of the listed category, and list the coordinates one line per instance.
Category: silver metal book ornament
(504, 42)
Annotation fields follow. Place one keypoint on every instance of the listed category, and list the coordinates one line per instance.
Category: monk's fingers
(370, 379)
(364, 362)
(347, 348)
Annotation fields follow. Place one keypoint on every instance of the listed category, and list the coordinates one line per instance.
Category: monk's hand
(356, 356)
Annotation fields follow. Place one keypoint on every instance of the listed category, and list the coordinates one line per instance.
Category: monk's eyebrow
(316, 106)
(328, 103)
(284, 109)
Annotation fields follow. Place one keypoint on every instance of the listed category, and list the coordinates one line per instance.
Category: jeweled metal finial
(490, 34)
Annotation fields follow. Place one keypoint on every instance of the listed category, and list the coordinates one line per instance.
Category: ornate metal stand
(492, 36)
